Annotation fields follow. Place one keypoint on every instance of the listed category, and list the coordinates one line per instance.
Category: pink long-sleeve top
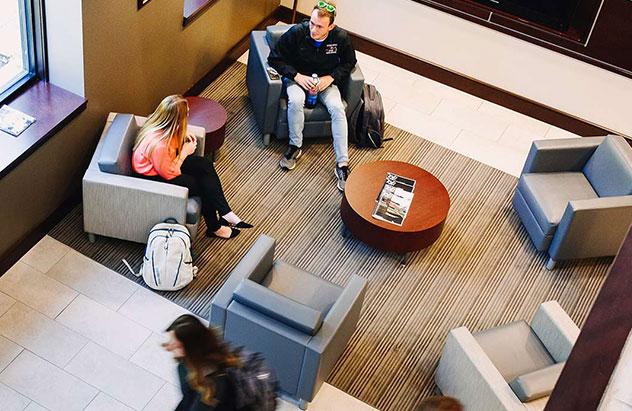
(162, 160)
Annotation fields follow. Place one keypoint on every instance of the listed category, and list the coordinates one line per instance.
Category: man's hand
(304, 81)
(325, 81)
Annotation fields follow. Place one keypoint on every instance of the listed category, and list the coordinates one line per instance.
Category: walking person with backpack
(315, 57)
(163, 151)
(212, 376)
(202, 362)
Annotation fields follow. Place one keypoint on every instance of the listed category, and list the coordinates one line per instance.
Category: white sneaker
(341, 174)
(288, 161)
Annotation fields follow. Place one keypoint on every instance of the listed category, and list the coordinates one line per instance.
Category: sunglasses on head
(326, 6)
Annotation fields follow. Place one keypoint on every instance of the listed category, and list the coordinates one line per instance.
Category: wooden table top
(206, 113)
(428, 209)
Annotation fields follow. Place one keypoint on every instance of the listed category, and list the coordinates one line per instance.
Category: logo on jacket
(331, 48)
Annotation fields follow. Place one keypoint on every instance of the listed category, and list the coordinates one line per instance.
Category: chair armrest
(564, 154)
(592, 228)
(254, 265)
(326, 347)
(352, 89)
(264, 92)
(555, 329)
(466, 372)
(127, 207)
(200, 136)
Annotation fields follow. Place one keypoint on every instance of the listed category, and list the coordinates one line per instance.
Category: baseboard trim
(465, 84)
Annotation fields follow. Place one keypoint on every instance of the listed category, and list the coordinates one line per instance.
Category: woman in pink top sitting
(163, 151)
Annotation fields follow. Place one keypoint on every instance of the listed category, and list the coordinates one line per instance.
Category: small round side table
(212, 116)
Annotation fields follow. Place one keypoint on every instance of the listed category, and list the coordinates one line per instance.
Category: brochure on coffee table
(13, 121)
(394, 199)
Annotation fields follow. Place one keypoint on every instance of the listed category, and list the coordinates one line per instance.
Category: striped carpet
(482, 272)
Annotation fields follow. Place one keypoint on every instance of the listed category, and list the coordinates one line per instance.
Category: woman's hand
(190, 145)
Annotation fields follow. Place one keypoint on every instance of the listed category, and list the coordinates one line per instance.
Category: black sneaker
(288, 161)
(341, 174)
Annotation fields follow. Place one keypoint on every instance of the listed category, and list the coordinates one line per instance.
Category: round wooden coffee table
(212, 116)
(426, 214)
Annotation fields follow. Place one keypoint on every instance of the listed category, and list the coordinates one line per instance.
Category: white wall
(65, 44)
(549, 78)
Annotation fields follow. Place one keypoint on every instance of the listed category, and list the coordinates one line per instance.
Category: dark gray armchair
(269, 102)
(574, 196)
(298, 321)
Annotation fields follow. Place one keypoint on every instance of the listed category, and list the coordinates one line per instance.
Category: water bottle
(312, 93)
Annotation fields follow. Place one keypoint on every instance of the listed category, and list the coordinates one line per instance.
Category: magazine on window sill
(13, 121)
(394, 199)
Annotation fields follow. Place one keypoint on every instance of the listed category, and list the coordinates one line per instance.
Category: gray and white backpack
(167, 264)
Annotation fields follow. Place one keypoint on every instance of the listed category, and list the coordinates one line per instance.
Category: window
(20, 44)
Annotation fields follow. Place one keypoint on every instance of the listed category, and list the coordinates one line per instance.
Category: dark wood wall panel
(598, 347)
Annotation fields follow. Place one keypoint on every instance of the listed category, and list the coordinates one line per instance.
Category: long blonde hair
(169, 120)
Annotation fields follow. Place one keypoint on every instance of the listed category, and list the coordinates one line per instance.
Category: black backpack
(366, 125)
(254, 383)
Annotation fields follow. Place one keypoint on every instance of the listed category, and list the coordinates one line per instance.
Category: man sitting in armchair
(318, 47)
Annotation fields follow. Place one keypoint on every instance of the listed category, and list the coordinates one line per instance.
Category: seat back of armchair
(609, 169)
(116, 151)
(274, 33)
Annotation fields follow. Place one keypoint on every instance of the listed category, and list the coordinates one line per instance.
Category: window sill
(52, 107)
(194, 8)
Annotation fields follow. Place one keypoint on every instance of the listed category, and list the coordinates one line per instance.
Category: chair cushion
(536, 384)
(609, 170)
(274, 33)
(514, 349)
(277, 306)
(116, 151)
(194, 208)
(547, 195)
(302, 287)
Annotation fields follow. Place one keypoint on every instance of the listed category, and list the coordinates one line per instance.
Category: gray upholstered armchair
(511, 367)
(117, 204)
(269, 102)
(298, 321)
(575, 196)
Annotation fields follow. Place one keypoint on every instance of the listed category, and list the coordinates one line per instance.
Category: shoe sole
(286, 167)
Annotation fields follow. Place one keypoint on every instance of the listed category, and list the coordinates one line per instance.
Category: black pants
(200, 177)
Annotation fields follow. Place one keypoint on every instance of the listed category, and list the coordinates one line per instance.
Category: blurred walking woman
(163, 151)
(203, 360)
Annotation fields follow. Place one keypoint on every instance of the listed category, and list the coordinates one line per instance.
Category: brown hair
(325, 13)
(203, 350)
(440, 403)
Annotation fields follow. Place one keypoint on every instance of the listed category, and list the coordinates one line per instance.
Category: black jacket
(191, 401)
(295, 52)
